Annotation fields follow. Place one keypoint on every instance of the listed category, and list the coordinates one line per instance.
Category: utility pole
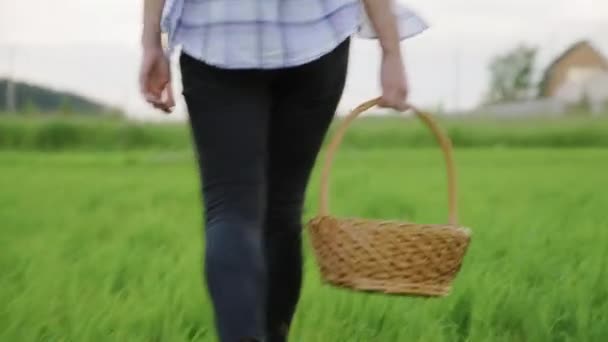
(11, 92)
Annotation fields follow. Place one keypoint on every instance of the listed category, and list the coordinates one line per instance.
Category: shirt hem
(284, 64)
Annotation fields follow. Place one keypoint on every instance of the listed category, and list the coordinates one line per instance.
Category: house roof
(565, 54)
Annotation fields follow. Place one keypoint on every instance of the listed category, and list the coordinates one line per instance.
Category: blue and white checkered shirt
(267, 34)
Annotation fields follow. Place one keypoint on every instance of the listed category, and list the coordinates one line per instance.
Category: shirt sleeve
(409, 23)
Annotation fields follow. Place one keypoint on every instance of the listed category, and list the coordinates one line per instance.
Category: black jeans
(257, 136)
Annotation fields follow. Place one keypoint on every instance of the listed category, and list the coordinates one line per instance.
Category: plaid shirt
(268, 34)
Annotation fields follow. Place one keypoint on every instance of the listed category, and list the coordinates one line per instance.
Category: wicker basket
(388, 256)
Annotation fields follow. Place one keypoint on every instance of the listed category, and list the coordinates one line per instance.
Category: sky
(92, 47)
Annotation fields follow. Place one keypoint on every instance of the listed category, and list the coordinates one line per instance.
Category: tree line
(28, 98)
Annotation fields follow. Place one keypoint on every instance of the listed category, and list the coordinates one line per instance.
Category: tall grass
(98, 247)
(86, 133)
(55, 133)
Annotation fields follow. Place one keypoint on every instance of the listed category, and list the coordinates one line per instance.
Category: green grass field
(106, 246)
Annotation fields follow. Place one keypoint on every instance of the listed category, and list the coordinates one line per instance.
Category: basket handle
(444, 142)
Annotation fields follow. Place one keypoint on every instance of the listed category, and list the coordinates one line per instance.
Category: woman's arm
(392, 73)
(155, 73)
(384, 23)
(153, 10)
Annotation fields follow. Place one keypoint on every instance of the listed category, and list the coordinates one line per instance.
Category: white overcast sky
(91, 46)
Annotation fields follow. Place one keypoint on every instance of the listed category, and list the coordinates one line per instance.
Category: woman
(261, 80)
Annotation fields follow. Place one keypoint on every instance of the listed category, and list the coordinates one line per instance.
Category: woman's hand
(155, 72)
(394, 82)
(155, 79)
(392, 71)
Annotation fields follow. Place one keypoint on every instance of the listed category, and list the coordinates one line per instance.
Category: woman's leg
(304, 102)
(229, 116)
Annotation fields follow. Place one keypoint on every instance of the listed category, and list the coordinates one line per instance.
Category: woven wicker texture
(388, 256)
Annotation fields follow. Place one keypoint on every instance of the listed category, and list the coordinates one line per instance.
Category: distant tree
(512, 75)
